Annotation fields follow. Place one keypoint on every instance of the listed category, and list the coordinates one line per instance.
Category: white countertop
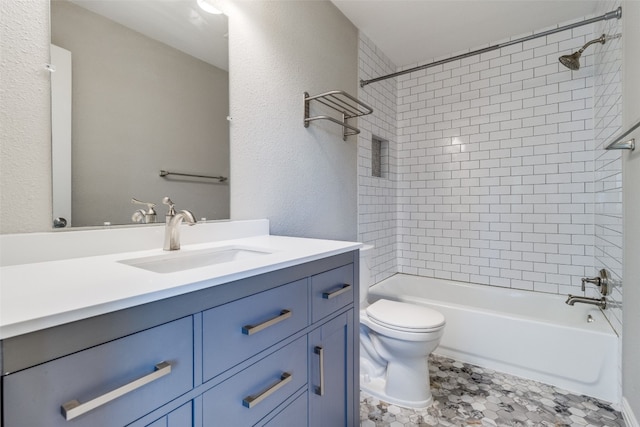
(40, 295)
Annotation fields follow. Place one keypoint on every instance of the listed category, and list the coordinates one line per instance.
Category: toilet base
(376, 388)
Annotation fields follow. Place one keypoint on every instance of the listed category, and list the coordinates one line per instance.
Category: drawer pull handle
(251, 401)
(319, 390)
(73, 408)
(343, 289)
(252, 329)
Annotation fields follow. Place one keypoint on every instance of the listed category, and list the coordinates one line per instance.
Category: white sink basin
(186, 260)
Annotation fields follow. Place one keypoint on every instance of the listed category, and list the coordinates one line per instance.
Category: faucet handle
(167, 201)
(149, 216)
(594, 280)
(601, 282)
(150, 206)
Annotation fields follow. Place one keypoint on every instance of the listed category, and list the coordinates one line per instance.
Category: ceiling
(180, 24)
(407, 31)
(413, 31)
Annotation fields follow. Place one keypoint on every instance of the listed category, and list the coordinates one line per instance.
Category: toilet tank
(366, 265)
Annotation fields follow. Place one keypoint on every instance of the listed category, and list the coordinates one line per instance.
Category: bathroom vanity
(269, 342)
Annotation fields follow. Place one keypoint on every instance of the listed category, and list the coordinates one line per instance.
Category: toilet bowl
(396, 339)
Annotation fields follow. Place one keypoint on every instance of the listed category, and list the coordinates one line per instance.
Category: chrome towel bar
(164, 174)
(622, 143)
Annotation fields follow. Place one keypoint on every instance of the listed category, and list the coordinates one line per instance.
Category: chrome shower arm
(600, 39)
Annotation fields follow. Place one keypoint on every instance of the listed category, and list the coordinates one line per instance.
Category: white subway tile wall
(377, 204)
(496, 167)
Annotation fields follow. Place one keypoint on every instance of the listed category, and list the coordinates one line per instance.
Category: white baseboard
(629, 417)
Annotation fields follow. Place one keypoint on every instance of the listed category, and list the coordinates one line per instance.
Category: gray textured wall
(304, 180)
(25, 125)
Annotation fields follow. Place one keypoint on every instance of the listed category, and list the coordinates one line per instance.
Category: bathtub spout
(572, 299)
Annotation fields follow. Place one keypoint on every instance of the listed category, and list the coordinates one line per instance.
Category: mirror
(144, 84)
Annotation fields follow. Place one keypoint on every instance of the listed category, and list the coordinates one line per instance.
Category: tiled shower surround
(377, 201)
(495, 165)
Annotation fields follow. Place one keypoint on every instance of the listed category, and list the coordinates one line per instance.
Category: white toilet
(395, 340)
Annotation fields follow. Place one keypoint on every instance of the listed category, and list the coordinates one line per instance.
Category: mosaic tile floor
(466, 395)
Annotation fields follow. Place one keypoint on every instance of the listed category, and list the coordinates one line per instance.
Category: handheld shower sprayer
(572, 61)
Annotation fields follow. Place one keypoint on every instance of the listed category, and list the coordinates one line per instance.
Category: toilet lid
(404, 316)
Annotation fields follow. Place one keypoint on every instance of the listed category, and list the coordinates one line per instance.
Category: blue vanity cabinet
(331, 349)
(251, 352)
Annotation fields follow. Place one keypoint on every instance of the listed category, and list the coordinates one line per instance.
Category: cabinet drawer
(181, 417)
(236, 331)
(291, 416)
(331, 291)
(262, 386)
(117, 379)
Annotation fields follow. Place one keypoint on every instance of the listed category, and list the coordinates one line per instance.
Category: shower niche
(379, 157)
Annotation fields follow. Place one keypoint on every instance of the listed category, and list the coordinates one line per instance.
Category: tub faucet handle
(602, 282)
(594, 280)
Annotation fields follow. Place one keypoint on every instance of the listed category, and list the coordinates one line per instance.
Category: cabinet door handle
(252, 329)
(343, 289)
(253, 400)
(319, 390)
(73, 408)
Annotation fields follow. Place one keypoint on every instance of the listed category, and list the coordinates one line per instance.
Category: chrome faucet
(172, 226)
(572, 299)
(601, 282)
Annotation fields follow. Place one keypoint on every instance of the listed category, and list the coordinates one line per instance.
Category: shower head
(572, 61)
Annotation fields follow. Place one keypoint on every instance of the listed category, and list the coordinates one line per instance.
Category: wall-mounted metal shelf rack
(340, 101)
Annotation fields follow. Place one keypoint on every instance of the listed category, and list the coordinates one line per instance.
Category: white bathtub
(528, 334)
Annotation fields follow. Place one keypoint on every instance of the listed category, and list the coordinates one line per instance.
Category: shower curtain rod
(610, 15)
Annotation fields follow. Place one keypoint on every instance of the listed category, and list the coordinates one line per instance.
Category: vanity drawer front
(181, 417)
(291, 416)
(249, 396)
(331, 291)
(236, 331)
(122, 380)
